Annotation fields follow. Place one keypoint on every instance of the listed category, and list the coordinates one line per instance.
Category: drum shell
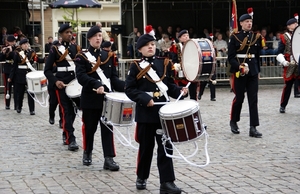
(184, 126)
(118, 110)
(36, 82)
(73, 89)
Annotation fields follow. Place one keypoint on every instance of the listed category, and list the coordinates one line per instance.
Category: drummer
(91, 79)
(18, 74)
(149, 82)
(183, 37)
(61, 55)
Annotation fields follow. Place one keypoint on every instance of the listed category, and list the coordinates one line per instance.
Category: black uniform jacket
(53, 60)
(89, 81)
(19, 75)
(234, 48)
(136, 90)
(7, 56)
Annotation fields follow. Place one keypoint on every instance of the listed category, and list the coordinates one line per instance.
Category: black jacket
(136, 90)
(89, 81)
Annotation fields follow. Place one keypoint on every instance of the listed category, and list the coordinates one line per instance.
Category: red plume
(148, 29)
(296, 16)
(250, 11)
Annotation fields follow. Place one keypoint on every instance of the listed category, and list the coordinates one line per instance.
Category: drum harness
(96, 67)
(145, 68)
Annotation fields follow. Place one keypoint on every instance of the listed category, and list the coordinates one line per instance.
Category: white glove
(177, 67)
(285, 63)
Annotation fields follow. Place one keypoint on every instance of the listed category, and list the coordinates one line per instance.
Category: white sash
(62, 49)
(162, 87)
(99, 71)
(27, 61)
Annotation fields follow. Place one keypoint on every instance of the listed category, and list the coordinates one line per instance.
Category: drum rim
(295, 43)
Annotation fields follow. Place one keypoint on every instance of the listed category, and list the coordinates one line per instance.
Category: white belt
(65, 69)
(245, 56)
(23, 67)
(155, 94)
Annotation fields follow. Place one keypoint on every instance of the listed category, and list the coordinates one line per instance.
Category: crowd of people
(153, 79)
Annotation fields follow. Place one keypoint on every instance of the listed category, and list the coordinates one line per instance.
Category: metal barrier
(267, 72)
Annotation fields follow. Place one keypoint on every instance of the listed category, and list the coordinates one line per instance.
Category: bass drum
(198, 59)
(295, 44)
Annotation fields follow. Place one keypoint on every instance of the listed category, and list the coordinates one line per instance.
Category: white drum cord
(45, 101)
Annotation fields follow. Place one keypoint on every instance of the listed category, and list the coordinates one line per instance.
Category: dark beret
(106, 44)
(23, 41)
(92, 31)
(291, 21)
(10, 38)
(55, 42)
(64, 27)
(143, 40)
(182, 32)
(245, 17)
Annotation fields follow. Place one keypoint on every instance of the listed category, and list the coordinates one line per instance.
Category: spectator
(36, 45)
(159, 33)
(3, 35)
(48, 44)
(221, 46)
(267, 48)
(170, 32)
(131, 42)
(276, 43)
(165, 45)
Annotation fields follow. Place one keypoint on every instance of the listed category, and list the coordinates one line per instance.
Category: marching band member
(23, 60)
(183, 37)
(290, 71)
(148, 82)
(243, 55)
(95, 70)
(62, 55)
(7, 55)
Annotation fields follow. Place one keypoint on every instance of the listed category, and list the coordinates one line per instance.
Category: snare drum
(36, 82)
(198, 59)
(181, 121)
(118, 109)
(73, 90)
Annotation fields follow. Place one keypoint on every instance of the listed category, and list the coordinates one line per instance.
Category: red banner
(233, 21)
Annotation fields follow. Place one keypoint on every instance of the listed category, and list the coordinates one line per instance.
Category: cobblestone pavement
(33, 159)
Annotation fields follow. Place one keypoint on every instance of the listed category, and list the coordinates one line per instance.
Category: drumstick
(96, 91)
(160, 103)
(187, 85)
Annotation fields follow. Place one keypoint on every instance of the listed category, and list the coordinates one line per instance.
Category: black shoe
(234, 127)
(73, 146)
(213, 99)
(7, 107)
(169, 187)
(297, 96)
(141, 183)
(32, 113)
(110, 164)
(51, 121)
(199, 97)
(87, 158)
(282, 109)
(19, 110)
(254, 133)
(64, 138)
(60, 124)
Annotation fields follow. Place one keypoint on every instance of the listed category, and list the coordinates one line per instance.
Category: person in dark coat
(142, 89)
(244, 56)
(91, 102)
(60, 57)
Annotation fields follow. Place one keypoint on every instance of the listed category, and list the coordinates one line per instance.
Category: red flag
(233, 21)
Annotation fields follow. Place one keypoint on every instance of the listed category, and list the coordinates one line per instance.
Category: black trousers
(146, 136)
(53, 102)
(90, 119)
(20, 89)
(240, 85)
(286, 92)
(7, 88)
(193, 90)
(212, 88)
(68, 114)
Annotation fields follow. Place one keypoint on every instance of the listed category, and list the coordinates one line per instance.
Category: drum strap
(158, 81)
(96, 63)
(64, 55)
(24, 57)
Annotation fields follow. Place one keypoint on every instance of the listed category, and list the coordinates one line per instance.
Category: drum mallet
(187, 85)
